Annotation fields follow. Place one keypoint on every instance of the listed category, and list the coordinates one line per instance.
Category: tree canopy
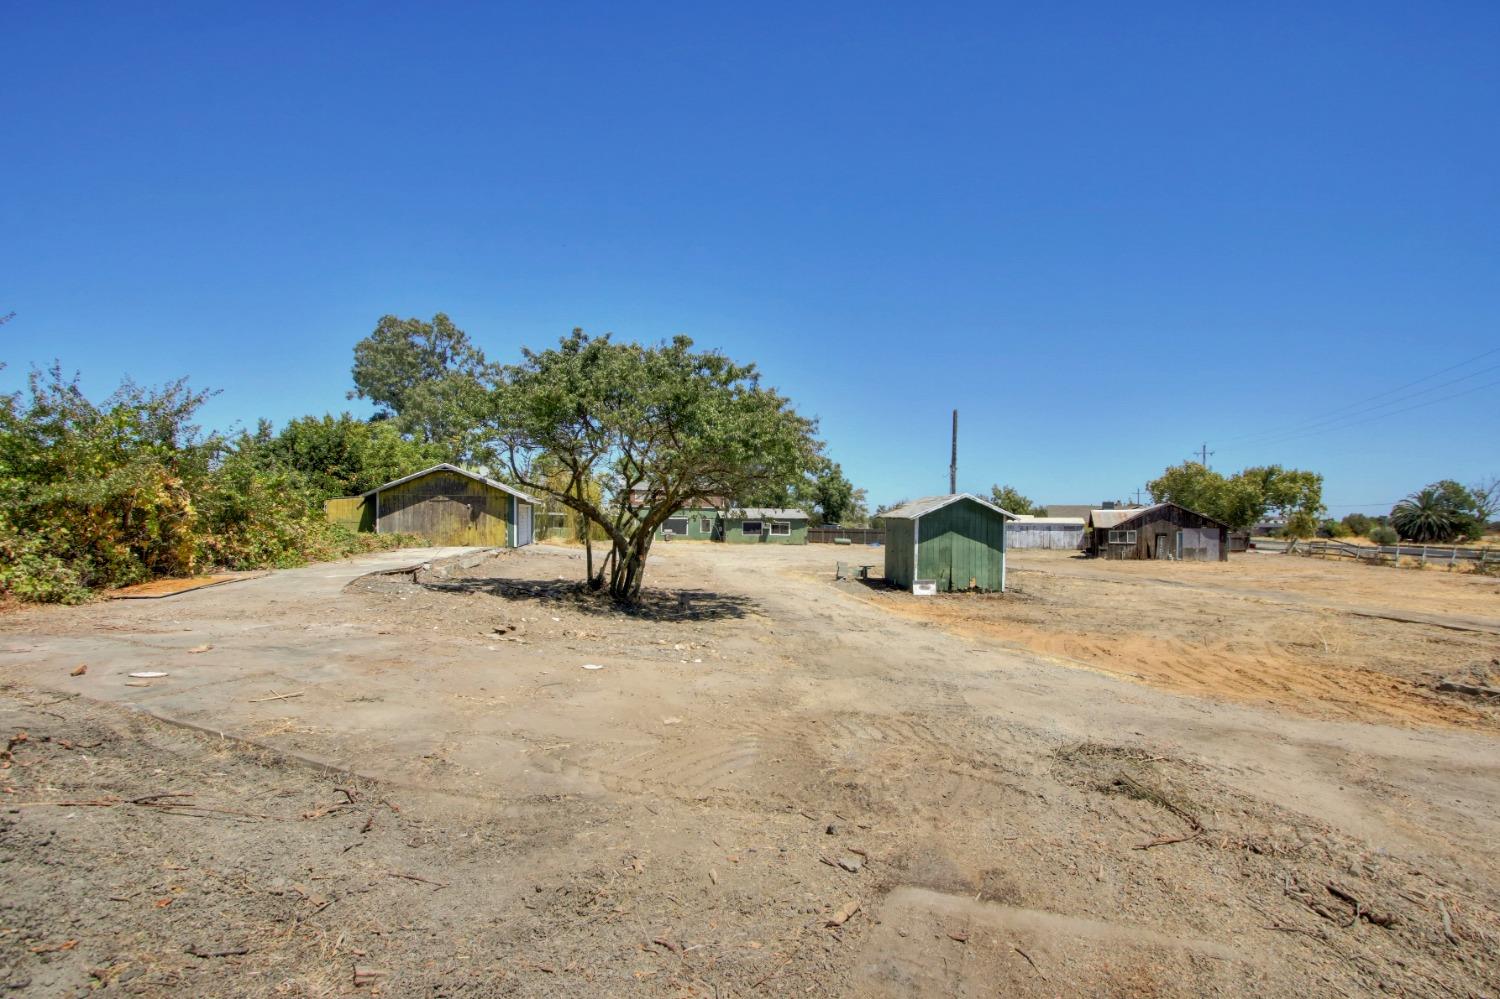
(667, 426)
(1442, 511)
(1010, 499)
(428, 377)
(1244, 498)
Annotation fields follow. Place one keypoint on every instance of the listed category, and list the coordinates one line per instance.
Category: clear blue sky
(1105, 232)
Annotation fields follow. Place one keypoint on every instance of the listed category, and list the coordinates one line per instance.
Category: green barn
(697, 523)
(445, 505)
(947, 543)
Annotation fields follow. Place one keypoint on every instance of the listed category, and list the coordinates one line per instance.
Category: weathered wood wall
(1168, 520)
(1029, 534)
(352, 512)
(447, 509)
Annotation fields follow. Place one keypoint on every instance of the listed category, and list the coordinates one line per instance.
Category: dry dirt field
(1122, 780)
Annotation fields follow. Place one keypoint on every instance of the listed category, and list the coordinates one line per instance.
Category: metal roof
(1109, 518)
(1114, 518)
(765, 513)
(445, 467)
(919, 508)
(1059, 521)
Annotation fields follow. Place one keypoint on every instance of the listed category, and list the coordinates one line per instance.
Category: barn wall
(961, 542)
(1167, 521)
(898, 553)
(1024, 534)
(448, 509)
(353, 512)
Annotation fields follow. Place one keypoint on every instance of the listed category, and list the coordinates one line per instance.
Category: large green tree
(428, 377)
(1244, 498)
(1010, 499)
(824, 490)
(343, 456)
(1443, 511)
(668, 425)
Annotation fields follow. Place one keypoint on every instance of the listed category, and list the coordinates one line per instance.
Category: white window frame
(745, 527)
(706, 525)
(781, 528)
(1127, 539)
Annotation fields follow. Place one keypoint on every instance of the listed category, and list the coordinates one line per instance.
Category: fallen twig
(197, 951)
(277, 697)
(414, 877)
(1029, 961)
(1361, 911)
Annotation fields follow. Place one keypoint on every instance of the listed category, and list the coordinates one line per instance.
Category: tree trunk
(629, 570)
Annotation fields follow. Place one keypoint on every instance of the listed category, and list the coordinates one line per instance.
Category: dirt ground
(1323, 638)
(774, 784)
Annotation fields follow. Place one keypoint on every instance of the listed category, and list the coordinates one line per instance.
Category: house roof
(919, 508)
(765, 513)
(1079, 510)
(1114, 518)
(1058, 521)
(445, 467)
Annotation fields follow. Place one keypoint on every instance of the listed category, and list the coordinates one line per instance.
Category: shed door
(1162, 551)
(523, 523)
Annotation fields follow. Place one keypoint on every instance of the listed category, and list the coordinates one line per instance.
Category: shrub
(96, 496)
(1383, 534)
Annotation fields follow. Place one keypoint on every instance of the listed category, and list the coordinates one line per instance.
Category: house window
(706, 525)
(677, 525)
(781, 527)
(1122, 537)
(750, 527)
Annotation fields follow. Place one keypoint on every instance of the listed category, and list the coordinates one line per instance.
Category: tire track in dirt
(1264, 676)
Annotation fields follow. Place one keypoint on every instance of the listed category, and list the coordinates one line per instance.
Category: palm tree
(1425, 515)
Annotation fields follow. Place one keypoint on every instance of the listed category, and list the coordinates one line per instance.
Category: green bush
(1383, 534)
(97, 496)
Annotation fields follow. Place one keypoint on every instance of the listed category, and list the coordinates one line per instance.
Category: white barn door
(523, 523)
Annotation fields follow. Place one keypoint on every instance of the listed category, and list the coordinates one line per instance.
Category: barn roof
(445, 467)
(1114, 518)
(765, 513)
(919, 508)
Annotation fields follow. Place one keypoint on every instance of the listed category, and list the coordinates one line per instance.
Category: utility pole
(953, 458)
(1204, 454)
(1137, 495)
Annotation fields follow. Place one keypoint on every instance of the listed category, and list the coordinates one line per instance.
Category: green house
(737, 526)
(698, 523)
(764, 526)
(946, 543)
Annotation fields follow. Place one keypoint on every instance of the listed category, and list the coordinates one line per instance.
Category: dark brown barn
(1163, 531)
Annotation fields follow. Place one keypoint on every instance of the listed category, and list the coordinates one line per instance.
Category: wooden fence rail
(1436, 554)
(853, 535)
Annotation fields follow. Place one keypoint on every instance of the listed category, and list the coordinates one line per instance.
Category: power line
(1371, 419)
(1316, 424)
(1338, 410)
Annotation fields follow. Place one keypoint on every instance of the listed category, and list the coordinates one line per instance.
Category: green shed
(445, 505)
(954, 542)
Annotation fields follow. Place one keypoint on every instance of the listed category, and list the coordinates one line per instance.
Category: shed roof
(919, 508)
(445, 467)
(1054, 521)
(765, 513)
(1114, 518)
